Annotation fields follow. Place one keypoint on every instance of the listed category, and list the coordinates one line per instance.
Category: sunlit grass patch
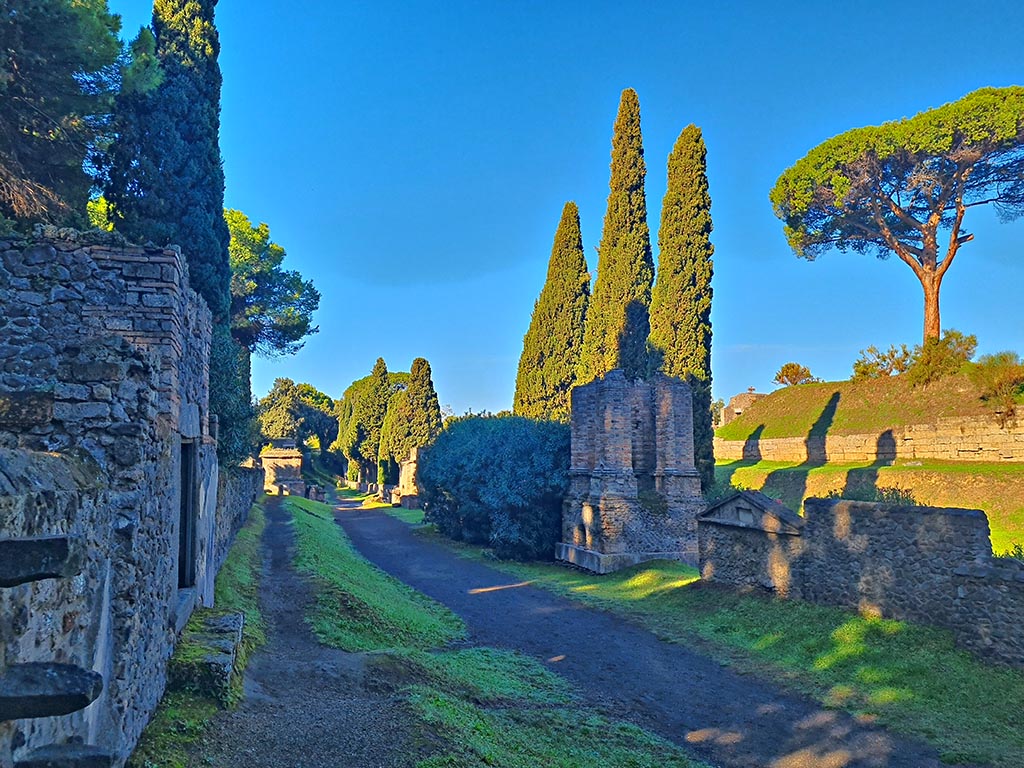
(410, 516)
(526, 738)
(358, 607)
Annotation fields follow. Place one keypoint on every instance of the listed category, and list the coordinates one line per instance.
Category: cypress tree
(551, 346)
(614, 335)
(165, 182)
(413, 420)
(369, 416)
(681, 300)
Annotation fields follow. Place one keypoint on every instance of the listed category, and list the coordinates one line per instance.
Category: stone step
(46, 690)
(37, 558)
(67, 756)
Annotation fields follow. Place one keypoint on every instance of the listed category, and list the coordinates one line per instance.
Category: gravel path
(722, 717)
(305, 706)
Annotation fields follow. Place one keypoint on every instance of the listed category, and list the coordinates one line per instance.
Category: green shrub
(498, 481)
(938, 358)
(882, 495)
(1001, 380)
(791, 374)
(874, 364)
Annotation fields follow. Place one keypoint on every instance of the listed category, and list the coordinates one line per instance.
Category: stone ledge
(608, 563)
(205, 659)
(38, 558)
(46, 690)
(67, 756)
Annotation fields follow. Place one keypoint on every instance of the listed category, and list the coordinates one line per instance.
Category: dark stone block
(67, 756)
(22, 410)
(34, 559)
(46, 690)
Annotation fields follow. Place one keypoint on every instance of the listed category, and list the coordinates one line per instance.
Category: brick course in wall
(949, 439)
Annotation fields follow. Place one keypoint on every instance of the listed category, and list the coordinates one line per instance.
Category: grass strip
(908, 677)
(489, 707)
(182, 717)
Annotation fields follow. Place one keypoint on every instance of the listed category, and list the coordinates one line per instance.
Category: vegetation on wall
(680, 335)
(553, 342)
(617, 318)
(904, 187)
(57, 82)
(498, 482)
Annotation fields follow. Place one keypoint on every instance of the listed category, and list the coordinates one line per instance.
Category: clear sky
(413, 159)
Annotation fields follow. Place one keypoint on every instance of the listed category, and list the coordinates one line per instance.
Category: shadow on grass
(790, 485)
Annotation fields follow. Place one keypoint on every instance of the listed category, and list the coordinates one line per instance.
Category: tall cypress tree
(681, 300)
(166, 184)
(615, 335)
(552, 345)
(413, 420)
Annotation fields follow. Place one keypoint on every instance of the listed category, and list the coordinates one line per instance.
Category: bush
(498, 481)
(938, 358)
(883, 495)
(874, 364)
(793, 373)
(1001, 380)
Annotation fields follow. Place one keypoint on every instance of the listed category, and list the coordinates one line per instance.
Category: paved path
(305, 706)
(722, 717)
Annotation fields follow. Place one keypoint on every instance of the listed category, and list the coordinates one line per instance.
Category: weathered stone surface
(67, 756)
(209, 667)
(634, 492)
(24, 409)
(46, 690)
(36, 558)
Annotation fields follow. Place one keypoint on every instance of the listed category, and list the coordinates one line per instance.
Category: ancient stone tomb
(634, 491)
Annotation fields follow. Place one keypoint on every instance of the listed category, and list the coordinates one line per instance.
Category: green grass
(181, 718)
(410, 516)
(997, 489)
(908, 677)
(488, 706)
(358, 607)
(867, 407)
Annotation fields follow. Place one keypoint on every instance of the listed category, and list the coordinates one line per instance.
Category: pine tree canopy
(57, 79)
(681, 301)
(625, 271)
(552, 345)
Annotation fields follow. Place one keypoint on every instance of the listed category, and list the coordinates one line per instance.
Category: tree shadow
(790, 484)
(635, 358)
(862, 482)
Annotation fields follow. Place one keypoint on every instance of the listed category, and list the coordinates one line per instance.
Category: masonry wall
(237, 488)
(923, 564)
(104, 355)
(950, 439)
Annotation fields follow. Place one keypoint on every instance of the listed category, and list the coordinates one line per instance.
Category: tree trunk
(932, 326)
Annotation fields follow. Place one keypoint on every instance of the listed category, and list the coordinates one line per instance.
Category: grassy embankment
(907, 677)
(872, 407)
(182, 716)
(489, 707)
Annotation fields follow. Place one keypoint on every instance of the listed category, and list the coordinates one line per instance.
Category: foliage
(938, 358)
(297, 412)
(498, 481)
(231, 397)
(413, 418)
(1001, 380)
(879, 494)
(362, 411)
(551, 346)
(717, 406)
(1015, 552)
(681, 299)
(904, 187)
(358, 607)
(57, 80)
(873, 363)
(271, 308)
(617, 325)
(791, 374)
(910, 678)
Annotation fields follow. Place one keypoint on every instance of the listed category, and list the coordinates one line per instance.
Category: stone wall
(949, 439)
(104, 369)
(237, 489)
(634, 492)
(922, 564)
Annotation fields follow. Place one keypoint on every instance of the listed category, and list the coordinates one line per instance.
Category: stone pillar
(675, 474)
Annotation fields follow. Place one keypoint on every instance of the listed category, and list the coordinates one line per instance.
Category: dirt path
(305, 706)
(689, 698)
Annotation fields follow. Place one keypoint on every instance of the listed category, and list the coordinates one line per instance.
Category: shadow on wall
(862, 483)
(752, 445)
(790, 485)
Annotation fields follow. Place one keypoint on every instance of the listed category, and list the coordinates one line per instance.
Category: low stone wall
(237, 490)
(923, 564)
(950, 439)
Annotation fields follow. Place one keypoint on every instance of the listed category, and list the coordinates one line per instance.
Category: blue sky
(413, 159)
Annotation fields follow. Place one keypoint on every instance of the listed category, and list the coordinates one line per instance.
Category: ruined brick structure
(634, 492)
(923, 564)
(110, 528)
